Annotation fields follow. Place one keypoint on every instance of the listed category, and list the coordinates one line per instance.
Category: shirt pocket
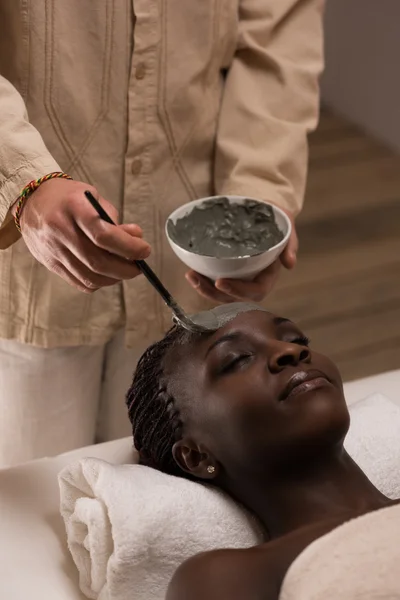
(198, 39)
(198, 36)
(78, 48)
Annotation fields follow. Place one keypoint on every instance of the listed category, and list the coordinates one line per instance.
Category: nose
(284, 354)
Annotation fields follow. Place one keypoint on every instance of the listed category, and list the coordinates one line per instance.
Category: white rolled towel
(129, 527)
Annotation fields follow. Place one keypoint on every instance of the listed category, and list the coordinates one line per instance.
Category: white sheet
(34, 559)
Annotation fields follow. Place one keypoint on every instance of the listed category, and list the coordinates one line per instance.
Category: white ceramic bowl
(246, 267)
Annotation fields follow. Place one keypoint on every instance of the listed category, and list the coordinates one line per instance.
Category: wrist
(27, 191)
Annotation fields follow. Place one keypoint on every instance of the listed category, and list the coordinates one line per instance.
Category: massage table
(34, 559)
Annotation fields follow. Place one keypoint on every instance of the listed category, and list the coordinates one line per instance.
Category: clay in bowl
(229, 236)
(223, 229)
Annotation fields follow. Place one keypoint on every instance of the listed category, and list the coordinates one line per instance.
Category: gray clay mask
(224, 229)
(221, 315)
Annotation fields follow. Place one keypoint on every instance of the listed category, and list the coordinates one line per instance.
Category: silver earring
(211, 469)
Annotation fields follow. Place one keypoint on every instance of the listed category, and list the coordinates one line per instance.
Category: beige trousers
(55, 400)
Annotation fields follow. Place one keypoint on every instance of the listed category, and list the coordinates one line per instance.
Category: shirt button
(140, 71)
(136, 166)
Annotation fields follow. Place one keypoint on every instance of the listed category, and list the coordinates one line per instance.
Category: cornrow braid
(156, 425)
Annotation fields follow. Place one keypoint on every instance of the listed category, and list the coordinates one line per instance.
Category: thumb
(289, 255)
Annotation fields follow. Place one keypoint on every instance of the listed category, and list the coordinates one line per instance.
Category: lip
(304, 381)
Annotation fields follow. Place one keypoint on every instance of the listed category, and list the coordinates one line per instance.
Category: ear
(194, 459)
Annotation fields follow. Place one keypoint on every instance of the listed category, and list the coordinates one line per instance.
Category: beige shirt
(194, 98)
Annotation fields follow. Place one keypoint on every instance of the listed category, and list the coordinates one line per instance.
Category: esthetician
(149, 104)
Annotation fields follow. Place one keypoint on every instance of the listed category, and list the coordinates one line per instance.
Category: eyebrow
(228, 337)
(236, 335)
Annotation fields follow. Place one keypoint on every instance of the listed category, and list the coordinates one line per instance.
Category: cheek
(235, 424)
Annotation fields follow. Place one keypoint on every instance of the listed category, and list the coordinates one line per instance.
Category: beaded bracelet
(30, 188)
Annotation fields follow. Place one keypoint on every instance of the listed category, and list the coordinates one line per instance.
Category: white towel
(374, 441)
(129, 527)
(357, 561)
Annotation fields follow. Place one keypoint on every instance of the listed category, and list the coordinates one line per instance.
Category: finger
(94, 258)
(63, 272)
(206, 288)
(100, 262)
(254, 290)
(88, 278)
(289, 255)
(113, 238)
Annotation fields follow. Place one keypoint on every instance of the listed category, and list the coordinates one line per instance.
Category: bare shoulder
(225, 575)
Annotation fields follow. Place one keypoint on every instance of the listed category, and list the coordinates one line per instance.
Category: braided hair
(156, 424)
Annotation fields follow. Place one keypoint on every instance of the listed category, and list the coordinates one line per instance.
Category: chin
(322, 421)
(329, 425)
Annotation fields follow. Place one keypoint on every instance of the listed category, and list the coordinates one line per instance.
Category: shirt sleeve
(271, 101)
(23, 157)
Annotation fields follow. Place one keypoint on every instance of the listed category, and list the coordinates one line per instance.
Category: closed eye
(234, 363)
(301, 340)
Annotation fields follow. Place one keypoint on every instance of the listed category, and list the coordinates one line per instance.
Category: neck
(326, 489)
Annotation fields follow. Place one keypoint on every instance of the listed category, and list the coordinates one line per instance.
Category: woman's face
(256, 395)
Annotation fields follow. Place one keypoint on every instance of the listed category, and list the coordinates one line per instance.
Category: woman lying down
(251, 409)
